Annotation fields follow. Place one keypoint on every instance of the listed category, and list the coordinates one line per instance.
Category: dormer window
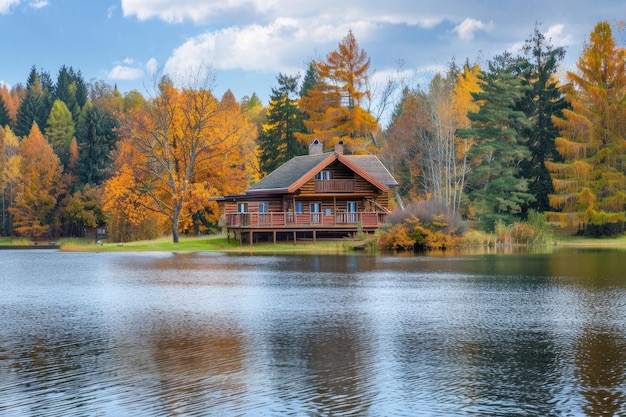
(324, 175)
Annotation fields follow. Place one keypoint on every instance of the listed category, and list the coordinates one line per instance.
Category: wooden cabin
(320, 195)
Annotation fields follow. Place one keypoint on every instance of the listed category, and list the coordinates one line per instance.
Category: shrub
(422, 226)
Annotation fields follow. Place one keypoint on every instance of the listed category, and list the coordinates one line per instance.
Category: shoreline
(219, 243)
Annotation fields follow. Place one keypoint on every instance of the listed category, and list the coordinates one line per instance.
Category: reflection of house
(313, 196)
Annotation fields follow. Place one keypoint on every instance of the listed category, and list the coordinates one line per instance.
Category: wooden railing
(334, 186)
(290, 219)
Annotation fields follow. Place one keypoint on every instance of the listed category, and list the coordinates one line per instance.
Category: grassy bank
(219, 243)
(569, 239)
(206, 243)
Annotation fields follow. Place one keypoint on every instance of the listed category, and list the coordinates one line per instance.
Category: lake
(209, 334)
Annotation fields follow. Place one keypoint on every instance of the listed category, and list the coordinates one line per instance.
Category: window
(242, 207)
(264, 207)
(351, 208)
(316, 207)
(316, 212)
(299, 208)
(324, 175)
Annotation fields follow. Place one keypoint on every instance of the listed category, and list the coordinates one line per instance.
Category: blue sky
(247, 43)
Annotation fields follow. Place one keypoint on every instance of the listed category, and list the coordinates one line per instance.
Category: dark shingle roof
(290, 172)
(372, 165)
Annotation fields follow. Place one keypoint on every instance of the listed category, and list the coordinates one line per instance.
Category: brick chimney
(316, 147)
(339, 147)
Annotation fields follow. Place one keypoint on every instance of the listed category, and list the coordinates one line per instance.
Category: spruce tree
(277, 141)
(96, 137)
(542, 101)
(36, 104)
(495, 183)
(65, 91)
(5, 119)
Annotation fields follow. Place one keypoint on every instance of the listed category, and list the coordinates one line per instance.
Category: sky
(245, 44)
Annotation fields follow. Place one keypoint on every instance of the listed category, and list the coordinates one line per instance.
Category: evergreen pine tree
(96, 137)
(5, 120)
(66, 91)
(277, 141)
(542, 101)
(36, 104)
(495, 184)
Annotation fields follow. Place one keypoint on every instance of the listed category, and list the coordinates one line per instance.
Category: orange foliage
(182, 148)
(592, 138)
(41, 185)
(334, 106)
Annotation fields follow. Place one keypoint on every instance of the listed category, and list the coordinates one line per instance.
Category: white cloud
(281, 46)
(467, 27)
(121, 72)
(5, 5)
(194, 10)
(253, 48)
(38, 4)
(556, 37)
(152, 66)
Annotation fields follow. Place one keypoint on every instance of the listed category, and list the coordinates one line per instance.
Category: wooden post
(294, 237)
(314, 236)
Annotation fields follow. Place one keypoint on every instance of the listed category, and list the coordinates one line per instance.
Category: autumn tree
(495, 185)
(83, 209)
(10, 176)
(334, 105)
(9, 101)
(132, 100)
(277, 141)
(176, 152)
(406, 133)
(590, 183)
(467, 84)
(422, 147)
(40, 187)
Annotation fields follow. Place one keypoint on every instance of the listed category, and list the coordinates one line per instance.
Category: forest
(510, 140)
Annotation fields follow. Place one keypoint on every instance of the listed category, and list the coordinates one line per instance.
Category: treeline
(488, 142)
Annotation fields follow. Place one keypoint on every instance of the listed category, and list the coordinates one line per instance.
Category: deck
(313, 223)
(290, 220)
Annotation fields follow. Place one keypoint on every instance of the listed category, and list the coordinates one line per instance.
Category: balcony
(334, 186)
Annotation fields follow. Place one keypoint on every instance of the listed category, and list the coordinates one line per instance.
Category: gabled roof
(294, 173)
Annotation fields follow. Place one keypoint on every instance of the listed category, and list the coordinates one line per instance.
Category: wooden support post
(251, 236)
(274, 237)
(294, 237)
(314, 236)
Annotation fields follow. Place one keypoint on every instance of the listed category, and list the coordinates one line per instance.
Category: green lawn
(206, 243)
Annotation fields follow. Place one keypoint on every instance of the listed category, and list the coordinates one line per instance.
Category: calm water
(208, 334)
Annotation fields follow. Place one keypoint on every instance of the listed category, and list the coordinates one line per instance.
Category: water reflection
(600, 368)
(208, 334)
